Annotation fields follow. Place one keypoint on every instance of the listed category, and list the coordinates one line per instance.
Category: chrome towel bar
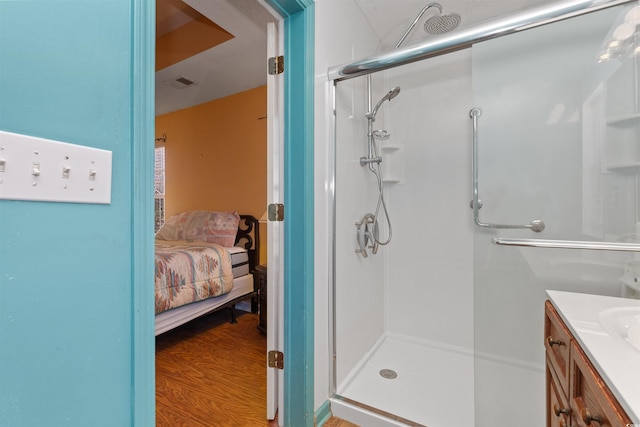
(535, 225)
(568, 244)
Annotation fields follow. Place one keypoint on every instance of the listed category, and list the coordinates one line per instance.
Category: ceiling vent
(180, 82)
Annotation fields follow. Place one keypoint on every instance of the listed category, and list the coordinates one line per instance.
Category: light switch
(46, 170)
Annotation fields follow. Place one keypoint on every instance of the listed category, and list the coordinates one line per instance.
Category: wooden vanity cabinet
(591, 400)
(557, 343)
(576, 394)
(557, 407)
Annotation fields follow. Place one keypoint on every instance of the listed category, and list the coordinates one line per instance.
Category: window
(159, 188)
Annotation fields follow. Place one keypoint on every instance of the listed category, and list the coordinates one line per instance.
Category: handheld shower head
(393, 93)
(388, 97)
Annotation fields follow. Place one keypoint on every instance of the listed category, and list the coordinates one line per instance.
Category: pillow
(175, 228)
(213, 227)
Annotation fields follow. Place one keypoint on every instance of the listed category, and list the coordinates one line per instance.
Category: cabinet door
(591, 401)
(557, 407)
(556, 342)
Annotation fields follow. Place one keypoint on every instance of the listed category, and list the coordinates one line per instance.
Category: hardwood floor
(211, 373)
(337, 422)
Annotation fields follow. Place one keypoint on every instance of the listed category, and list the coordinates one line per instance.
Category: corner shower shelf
(622, 145)
(624, 167)
(392, 164)
(624, 120)
(622, 131)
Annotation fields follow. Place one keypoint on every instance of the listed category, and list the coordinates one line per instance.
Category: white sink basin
(622, 323)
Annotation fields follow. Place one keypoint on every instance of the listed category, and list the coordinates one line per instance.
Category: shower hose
(381, 203)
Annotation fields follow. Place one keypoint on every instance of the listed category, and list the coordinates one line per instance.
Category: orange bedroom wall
(216, 156)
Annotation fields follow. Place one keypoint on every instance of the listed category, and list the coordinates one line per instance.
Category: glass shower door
(551, 147)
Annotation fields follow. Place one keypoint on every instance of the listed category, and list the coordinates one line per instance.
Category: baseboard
(322, 414)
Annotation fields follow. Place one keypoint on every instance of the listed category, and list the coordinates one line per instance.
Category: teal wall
(76, 319)
(67, 336)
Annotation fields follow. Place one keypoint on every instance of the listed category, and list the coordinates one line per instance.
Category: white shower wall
(429, 263)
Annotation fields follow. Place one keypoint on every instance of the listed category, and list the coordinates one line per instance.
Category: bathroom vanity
(592, 369)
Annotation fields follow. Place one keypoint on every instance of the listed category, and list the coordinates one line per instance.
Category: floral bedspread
(187, 272)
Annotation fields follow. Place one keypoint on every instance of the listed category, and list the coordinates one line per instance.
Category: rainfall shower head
(388, 97)
(440, 24)
(437, 24)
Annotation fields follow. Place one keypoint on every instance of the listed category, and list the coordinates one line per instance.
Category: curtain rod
(466, 37)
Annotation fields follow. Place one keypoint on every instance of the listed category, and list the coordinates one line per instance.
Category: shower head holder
(368, 160)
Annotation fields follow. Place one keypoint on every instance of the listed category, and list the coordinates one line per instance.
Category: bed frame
(248, 237)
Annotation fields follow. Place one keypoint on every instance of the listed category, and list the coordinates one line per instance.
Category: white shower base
(508, 389)
(434, 386)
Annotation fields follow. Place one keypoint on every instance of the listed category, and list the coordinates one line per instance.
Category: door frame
(298, 198)
(142, 81)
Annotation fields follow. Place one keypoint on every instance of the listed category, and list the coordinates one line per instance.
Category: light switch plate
(52, 171)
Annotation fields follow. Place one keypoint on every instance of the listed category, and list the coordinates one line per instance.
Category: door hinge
(276, 359)
(276, 212)
(276, 65)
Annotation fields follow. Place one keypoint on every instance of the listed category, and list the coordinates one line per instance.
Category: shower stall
(509, 165)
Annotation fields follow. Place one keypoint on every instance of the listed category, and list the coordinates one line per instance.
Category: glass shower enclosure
(443, 326)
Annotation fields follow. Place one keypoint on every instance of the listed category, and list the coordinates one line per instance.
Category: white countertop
(616, 361)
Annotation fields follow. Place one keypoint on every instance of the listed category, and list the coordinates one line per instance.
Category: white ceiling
(234, 66)
(240, 63)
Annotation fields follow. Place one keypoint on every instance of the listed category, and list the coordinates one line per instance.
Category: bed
(204, 262)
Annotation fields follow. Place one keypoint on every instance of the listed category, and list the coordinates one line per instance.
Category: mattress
(239, 261)
(177, 316)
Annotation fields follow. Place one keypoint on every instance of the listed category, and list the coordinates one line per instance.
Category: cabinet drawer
(591, 401)
(556, 341)
(558, 411)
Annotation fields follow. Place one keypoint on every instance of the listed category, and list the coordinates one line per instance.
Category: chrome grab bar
(535, 225)
(568, 244)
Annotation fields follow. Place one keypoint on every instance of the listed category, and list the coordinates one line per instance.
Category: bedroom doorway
(184, 84)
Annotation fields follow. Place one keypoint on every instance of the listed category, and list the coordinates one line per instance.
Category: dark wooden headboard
(248, 237)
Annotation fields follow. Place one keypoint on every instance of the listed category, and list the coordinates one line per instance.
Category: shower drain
(388, 374)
